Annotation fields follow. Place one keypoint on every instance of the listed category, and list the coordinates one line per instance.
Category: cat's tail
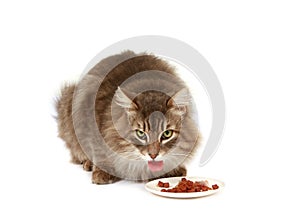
(63, 106)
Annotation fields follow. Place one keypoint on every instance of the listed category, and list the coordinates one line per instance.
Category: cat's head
(153, 122)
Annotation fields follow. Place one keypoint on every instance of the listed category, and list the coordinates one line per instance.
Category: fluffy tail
(64, 112)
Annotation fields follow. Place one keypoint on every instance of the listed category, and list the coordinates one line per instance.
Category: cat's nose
(153, 156)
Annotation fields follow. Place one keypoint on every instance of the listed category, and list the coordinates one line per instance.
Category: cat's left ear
(123, 100)
(180, 101)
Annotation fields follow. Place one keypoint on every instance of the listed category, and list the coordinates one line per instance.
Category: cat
(143, 112)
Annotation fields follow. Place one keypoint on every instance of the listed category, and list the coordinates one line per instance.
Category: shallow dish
(155, 189)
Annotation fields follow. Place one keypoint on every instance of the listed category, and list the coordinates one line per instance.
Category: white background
(254, 48)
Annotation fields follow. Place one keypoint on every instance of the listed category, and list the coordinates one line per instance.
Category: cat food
(188, 186)
(215, 186)
(162, 184)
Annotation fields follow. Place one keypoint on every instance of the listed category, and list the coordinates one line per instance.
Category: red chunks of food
(188, 186)
(215, 186)
(162, 184)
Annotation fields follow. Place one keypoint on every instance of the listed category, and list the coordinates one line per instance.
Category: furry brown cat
(143, 113)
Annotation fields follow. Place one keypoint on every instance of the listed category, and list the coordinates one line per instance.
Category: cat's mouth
(155, 166)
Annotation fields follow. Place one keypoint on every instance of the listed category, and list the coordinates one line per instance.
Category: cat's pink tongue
(155, 166)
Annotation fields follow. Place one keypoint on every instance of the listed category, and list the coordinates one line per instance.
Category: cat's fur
(120, 111)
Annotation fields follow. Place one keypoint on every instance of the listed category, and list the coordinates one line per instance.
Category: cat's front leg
(101, 177)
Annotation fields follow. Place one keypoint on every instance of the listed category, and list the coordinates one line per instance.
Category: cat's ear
(179, 101)
(122, 98)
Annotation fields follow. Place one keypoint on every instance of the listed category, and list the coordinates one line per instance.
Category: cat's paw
(87, 165)
(101, 177)
(181, 171)
(178, 172)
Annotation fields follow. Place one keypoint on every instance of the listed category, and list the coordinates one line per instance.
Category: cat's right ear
(123, 100)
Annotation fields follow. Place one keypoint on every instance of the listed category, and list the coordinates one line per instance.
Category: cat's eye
(140, 134)
(167, 134)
